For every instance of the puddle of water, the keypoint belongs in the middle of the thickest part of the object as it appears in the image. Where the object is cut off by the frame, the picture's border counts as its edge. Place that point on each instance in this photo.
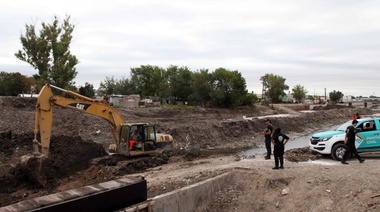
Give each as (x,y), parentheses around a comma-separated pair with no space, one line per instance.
(298,142)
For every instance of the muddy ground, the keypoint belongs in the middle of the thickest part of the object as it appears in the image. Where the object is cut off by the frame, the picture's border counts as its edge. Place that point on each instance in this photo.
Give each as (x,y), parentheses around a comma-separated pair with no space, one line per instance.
(208,142)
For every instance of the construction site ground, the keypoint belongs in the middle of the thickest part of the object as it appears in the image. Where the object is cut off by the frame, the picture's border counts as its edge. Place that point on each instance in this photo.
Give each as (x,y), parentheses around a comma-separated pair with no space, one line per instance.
(207,143)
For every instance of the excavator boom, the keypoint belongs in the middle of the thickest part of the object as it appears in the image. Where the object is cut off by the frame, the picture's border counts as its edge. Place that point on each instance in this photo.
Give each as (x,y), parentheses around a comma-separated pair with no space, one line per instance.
(44,114)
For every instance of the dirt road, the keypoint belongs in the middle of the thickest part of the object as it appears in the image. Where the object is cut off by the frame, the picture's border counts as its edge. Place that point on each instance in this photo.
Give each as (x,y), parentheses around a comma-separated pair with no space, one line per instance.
(207,142)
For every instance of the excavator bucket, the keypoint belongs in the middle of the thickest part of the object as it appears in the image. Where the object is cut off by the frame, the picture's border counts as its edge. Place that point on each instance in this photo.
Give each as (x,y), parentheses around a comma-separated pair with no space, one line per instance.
(32,166)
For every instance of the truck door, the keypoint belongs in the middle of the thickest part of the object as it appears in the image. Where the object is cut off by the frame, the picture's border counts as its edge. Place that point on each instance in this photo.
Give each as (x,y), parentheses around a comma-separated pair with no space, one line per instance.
(370,132)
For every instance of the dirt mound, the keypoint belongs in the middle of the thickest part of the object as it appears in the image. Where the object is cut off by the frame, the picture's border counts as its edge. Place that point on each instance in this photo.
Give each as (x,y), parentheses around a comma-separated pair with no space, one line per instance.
(301,154)
(68,155)
(331,106)
(71,154)
(18,102)
(73,162)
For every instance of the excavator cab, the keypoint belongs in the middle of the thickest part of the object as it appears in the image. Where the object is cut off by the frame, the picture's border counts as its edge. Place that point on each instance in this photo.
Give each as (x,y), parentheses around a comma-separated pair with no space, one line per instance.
(146,140)
(136,139)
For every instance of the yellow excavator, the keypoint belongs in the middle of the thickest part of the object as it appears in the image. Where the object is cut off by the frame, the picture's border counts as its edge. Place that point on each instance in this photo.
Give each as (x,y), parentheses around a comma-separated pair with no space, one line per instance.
(148,140)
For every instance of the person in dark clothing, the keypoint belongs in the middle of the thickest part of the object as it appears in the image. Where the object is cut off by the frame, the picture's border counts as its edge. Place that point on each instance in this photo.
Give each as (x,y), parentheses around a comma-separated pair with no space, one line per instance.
(349,140)
(267,134)
(279,140)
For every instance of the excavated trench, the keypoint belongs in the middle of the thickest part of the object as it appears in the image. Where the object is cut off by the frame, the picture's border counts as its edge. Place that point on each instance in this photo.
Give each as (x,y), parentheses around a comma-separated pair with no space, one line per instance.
(76,166)
(72,162)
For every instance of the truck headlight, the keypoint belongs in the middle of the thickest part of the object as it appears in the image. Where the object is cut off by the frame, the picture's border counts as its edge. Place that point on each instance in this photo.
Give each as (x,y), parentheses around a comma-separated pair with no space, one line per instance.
(326,139)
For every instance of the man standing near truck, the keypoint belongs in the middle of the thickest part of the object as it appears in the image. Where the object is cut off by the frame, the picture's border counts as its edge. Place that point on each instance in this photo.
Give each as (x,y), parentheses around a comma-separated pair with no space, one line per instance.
(267,135)
(279,140)
(349,140)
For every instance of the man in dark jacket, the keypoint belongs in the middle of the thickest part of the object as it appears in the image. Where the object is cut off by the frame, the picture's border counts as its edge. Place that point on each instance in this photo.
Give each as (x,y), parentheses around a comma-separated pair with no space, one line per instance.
(349,140)
(279,140)
(267,135)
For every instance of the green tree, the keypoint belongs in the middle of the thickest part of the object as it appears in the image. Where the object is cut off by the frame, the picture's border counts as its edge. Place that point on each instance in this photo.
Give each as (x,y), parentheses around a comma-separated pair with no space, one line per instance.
(12,84)
(299,92)
(125,86)
(335,96)
(158,82)
(229,88)
(107,87)
(164,86)
(202,87)
(171,76)
(275,87)
(3,80)
(148,79)
(49,53)
(249,99)
(180,82)
(87,90)
(311,98)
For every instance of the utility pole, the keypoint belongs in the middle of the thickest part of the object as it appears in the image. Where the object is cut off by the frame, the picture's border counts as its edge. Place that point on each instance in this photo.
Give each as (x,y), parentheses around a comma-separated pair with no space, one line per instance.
(264,91)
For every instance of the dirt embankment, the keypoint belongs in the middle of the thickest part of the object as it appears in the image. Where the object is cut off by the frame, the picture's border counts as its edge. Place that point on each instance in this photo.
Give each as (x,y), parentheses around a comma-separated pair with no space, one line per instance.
(78,139)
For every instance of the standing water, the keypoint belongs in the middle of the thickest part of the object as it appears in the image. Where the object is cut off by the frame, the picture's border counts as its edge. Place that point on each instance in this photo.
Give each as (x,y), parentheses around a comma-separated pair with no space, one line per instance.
(298,142)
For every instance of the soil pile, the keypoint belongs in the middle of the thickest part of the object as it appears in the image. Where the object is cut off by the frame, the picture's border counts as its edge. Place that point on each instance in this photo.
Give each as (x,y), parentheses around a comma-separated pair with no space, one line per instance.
(68,155)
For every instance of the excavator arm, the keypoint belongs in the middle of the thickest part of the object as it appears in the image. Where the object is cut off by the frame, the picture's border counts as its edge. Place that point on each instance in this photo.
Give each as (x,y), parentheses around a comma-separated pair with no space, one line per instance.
(47,100)
(44,114)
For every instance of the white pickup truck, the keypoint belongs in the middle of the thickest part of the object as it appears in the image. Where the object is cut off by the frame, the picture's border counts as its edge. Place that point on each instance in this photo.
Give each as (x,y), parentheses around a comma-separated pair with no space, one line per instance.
(331,142)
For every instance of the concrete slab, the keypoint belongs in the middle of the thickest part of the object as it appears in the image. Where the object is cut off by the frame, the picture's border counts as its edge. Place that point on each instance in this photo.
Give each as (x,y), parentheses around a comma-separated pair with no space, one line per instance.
(192,197)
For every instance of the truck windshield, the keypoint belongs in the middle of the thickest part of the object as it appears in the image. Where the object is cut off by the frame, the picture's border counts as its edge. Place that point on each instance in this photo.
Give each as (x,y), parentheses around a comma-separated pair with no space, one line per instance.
(344,126)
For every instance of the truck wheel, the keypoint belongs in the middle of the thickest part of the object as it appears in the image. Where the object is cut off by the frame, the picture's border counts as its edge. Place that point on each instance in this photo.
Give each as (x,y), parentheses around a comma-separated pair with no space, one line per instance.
(338,151)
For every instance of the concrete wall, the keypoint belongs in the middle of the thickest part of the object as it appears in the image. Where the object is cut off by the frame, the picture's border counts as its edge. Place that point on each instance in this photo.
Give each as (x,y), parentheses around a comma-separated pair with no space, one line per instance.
(187,199)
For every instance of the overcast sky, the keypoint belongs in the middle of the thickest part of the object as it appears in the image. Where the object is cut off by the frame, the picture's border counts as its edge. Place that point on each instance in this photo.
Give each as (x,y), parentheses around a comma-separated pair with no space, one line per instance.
(319,44)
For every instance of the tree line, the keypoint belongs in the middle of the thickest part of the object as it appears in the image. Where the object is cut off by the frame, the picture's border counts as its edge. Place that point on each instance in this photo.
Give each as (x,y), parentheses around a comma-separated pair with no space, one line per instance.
(48,52)
(221,88)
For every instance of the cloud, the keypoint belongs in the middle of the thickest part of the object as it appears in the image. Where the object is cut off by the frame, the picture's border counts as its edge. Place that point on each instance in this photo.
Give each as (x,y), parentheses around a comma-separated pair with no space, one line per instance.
(318,44)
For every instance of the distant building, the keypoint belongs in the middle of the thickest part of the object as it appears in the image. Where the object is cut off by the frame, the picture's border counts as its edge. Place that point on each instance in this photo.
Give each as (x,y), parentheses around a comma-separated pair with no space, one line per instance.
(130,101)
(288,98)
